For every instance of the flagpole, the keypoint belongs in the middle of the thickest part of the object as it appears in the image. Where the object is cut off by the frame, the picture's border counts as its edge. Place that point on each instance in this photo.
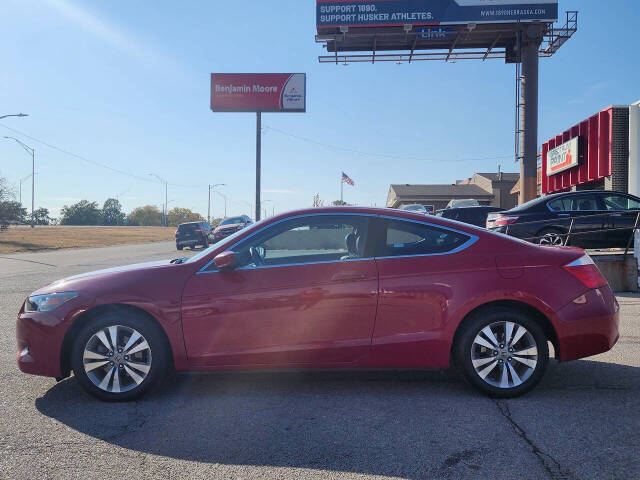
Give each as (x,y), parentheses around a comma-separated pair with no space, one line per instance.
(341,188)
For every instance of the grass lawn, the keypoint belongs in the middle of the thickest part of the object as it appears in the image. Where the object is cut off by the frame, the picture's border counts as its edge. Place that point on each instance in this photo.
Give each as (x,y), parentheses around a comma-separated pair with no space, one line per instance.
(24,238)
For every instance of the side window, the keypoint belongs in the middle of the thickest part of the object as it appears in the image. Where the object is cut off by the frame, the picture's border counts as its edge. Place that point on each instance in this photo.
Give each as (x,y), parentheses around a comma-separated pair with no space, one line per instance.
(556,205)
(581,203)
(410,238)
(317,238)
(620,202)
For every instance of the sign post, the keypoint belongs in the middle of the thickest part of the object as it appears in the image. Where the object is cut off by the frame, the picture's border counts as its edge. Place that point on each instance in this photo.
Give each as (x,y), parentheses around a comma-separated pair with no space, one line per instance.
(258,92)
(258,160)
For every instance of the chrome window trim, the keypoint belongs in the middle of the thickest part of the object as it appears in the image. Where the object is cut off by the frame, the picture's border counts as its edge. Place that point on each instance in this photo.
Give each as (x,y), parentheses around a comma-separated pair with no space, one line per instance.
(472,239)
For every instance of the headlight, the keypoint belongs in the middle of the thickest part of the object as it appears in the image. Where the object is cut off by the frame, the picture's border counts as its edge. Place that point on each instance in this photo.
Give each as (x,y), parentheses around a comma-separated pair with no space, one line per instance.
(44,303)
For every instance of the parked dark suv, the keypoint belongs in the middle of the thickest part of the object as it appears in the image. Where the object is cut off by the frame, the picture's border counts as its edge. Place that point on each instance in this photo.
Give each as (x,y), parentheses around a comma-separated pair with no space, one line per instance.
(588,219)
(473,215)
(230,225)
(193,234)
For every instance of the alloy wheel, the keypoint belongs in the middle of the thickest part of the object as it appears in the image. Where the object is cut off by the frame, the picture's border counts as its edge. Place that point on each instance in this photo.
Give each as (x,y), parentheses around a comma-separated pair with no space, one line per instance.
(554,239)
(504,354)
(117,358)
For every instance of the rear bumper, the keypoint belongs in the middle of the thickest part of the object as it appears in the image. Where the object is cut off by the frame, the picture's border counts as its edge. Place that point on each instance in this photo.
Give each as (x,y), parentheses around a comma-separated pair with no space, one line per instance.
(588,325)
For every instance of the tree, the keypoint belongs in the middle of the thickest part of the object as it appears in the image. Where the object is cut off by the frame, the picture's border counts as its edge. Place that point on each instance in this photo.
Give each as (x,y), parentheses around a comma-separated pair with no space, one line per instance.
(6,193)
(338,203)
(81,213)
(179,215)
(41,217)
(11,212)
(112,212)
(149,215)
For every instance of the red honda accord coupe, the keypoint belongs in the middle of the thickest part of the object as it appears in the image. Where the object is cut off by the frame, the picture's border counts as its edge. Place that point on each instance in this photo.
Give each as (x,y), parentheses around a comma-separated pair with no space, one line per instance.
(326,287)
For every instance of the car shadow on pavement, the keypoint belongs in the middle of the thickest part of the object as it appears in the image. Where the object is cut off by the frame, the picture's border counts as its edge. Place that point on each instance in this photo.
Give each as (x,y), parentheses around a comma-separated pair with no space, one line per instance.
(397,423)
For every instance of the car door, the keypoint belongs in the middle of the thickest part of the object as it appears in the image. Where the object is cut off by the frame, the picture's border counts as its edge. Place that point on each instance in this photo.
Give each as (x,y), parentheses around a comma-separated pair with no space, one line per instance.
(584,216)
(623,213)
(304,290)
(418,274)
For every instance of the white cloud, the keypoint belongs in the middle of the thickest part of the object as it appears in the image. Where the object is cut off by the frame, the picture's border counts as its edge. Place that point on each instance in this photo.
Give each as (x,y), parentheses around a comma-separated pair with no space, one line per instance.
(106,32)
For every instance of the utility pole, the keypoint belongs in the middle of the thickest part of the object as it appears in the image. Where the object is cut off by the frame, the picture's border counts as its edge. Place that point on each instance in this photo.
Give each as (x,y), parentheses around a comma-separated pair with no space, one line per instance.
(531,39)
(33,174)
(165,214)
(209,202)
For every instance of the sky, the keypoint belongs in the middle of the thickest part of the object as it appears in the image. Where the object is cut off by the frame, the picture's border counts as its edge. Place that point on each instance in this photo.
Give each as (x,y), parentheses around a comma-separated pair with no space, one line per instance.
(126,85)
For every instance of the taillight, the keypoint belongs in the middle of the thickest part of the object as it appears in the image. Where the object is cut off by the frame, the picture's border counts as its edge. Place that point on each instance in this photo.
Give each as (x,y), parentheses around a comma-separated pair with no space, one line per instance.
(502,220)
(587,272)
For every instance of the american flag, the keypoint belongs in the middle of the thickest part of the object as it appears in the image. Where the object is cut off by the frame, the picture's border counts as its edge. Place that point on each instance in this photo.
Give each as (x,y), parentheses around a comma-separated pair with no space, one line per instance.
(347,179)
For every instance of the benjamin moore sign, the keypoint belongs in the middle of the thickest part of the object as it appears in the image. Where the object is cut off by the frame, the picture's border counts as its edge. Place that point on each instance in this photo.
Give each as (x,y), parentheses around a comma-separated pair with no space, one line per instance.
(258,92)
(335,13)
(563,157)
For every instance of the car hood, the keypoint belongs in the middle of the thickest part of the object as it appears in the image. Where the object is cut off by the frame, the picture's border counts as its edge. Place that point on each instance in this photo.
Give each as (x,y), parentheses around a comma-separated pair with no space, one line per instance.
(228,225)
(73,281)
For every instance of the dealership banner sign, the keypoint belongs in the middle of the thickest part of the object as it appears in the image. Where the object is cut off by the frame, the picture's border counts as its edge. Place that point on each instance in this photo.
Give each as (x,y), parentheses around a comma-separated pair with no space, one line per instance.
(563,157)
(362,13)
(258,92)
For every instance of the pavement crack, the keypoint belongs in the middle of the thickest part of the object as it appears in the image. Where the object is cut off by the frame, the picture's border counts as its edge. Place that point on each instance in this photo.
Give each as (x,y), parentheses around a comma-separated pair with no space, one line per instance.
(549,463)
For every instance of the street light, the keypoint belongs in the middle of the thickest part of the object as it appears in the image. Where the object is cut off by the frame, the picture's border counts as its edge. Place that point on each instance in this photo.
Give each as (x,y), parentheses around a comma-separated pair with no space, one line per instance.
(273,208)
(209,203)
(225,202)
(22,180)
(165,213)
(14,115)
(33,172)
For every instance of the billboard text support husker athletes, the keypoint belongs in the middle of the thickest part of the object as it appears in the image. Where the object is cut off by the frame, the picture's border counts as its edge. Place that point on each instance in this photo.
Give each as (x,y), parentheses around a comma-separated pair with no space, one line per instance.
(333,13)
(258,92)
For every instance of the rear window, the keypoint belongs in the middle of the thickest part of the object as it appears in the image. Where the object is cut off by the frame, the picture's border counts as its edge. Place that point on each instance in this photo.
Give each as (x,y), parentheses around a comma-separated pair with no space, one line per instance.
(408,238)
(188,227)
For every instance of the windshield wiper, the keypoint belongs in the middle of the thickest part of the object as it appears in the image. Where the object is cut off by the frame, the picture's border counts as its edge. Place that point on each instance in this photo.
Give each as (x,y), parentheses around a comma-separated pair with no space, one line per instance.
(178,261)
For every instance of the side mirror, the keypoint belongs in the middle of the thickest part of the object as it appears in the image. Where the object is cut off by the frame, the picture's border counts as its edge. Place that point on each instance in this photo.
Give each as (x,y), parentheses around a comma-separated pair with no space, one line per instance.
(225,260)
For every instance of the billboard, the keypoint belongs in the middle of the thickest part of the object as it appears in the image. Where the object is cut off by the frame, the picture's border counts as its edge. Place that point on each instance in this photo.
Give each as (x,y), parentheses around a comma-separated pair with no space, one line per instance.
(563,157)
(389,13)
(258,92)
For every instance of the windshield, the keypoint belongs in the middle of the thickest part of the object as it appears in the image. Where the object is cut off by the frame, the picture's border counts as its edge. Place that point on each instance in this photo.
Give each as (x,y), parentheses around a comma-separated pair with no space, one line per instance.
(232,220)
(415,208)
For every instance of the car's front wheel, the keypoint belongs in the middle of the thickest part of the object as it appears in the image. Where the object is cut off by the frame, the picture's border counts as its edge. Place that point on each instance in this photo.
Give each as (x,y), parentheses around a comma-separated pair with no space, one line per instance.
(502,352)
(119,355)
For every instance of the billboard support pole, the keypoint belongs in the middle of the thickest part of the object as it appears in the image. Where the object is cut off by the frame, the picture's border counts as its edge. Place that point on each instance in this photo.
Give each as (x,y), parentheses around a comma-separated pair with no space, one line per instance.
(532,37)
(258,160)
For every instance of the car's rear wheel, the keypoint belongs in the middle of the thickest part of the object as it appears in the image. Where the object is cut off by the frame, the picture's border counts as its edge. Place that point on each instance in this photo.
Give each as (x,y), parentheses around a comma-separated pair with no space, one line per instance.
(552,237)
(119,355)
(502,352)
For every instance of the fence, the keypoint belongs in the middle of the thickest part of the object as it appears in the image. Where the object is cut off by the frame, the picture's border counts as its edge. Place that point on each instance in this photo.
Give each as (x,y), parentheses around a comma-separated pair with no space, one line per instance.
(568,225)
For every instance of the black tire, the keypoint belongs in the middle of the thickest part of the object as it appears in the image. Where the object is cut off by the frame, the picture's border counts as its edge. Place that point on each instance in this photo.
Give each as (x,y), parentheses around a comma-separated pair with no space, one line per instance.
(465,349)
(158,355)
(551,236)
(179,247)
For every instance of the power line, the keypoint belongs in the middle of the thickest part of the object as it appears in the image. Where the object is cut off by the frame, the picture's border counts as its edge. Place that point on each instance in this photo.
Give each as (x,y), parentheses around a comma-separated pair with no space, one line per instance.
(382,155)
(93,162)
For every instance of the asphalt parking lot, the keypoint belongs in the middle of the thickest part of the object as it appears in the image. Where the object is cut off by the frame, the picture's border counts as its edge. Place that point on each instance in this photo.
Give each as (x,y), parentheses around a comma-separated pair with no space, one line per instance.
(582,422)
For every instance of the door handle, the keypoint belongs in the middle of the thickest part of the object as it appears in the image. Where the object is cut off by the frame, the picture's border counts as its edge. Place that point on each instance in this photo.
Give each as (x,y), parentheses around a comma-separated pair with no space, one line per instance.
(348,277)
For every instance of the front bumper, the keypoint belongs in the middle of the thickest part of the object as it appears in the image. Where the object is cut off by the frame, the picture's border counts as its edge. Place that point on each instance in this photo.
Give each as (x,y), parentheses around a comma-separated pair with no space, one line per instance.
(40,336)
(588,325)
